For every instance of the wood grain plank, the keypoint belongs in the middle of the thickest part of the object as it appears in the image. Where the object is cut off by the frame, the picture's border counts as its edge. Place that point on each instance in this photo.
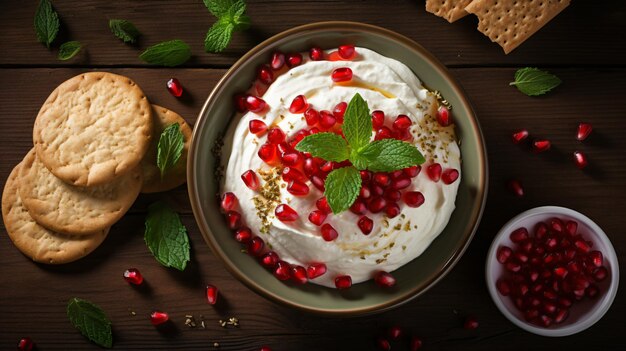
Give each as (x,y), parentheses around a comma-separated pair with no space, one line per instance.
(583,34)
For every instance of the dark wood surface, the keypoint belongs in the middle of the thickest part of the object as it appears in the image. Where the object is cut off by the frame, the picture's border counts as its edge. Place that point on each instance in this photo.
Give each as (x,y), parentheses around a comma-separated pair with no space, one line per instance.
(583,46)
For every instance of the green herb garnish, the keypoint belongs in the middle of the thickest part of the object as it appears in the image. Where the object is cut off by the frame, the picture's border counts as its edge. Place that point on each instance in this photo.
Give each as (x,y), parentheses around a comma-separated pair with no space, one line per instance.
(46,23)
(166,236)
(68,50)
(170,148)
(343,184)
(124,30)
(90,321)
(168,53)
(533,81)
(230,18)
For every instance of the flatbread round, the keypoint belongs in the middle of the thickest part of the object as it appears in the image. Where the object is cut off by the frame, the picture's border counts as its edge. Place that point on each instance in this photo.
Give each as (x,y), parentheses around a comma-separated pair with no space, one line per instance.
(70,209)
(93,128)
(35,241)
(152,182)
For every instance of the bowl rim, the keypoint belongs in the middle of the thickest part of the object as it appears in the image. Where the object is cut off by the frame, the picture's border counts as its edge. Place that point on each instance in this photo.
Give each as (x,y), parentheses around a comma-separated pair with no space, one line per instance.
(481,190)
(591,318)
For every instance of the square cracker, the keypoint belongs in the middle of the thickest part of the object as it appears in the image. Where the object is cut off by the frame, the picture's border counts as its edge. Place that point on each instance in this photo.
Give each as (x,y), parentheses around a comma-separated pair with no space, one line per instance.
(510,22)
(451,10)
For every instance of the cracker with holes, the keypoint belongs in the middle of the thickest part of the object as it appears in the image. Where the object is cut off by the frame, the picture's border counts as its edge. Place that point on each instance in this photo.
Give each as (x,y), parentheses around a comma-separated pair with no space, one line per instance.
(93,128)
(41,244)
(152,180)
(451,10)
(510,22)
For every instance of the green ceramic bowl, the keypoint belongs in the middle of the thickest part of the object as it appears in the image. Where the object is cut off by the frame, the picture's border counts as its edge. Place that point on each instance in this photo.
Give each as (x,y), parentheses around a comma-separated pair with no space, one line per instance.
(414,278)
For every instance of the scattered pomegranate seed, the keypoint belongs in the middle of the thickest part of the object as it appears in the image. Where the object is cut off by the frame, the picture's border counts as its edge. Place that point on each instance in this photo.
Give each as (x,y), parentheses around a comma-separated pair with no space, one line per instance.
(584,129)
(377,204)
(382,179)
(283,270)
(327,119)
(383,133)
(519,136)
(255,104)
(358,207)
(385,279)
(541,145)
(159,318)
(515,186)
(342,74)
(297,188)
(174,87)
(580,159)
(340,110)
(290,173)
(470,323)
(415,344)
(211,294)
(285,213)
(315,270)
(343,282)
(434,172)
(275,135)
(383,344)
(299,104)
(316,53)
(378,119)
(449,176)
(392,195)
(25,344)
(443,116)
(365,224)
(255,246)
(413,198)
(317,217)
(278,60)
(257,126)
(402,122)
(294,59)
(392,210)
(322,205)
(299,274)
(346,52)
(328,232)
(312,116)
(412,171)
(133,276)
(318,183)
(234,219)
(243,235)
(270,259)
(240,102)
(266,348)
(229,202)
(265,74)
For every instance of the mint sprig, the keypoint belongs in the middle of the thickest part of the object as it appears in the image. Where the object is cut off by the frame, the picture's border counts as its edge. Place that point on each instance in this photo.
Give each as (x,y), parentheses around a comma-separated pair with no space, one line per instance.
(533,81)
(387,155)
(124,30)
(68,50)
(166,236)
(168,53)
(230,18)
(169,148)
(46,23)
(91,321)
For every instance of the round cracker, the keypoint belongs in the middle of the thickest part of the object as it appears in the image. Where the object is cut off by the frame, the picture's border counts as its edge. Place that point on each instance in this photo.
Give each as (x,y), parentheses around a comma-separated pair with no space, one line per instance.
(152,182)
(93,128)
(74,210)
(38,243)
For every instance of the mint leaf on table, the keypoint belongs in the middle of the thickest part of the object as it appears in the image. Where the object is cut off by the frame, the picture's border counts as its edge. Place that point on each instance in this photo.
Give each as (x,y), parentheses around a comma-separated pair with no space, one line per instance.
(329,146)
(169,148)
(388,155)
(46,23)
(68,50)
(166,236)
(124,30)
(342,188)
(218,36)
(533,81)
(218,8)
(168,53)
(90,321)
(357,123)
(231,18)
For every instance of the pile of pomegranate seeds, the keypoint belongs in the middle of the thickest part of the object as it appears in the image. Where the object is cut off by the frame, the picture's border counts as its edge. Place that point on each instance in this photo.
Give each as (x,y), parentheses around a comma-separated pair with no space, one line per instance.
(549,270)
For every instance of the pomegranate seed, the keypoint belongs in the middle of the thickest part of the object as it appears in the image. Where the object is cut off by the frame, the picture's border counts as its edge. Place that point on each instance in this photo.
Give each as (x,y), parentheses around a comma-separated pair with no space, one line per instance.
(358,207)
(503,254)
(278,60)
(415,344)
(133,276)
(521,257)
(346,52)
(290,158)
(520,136)
(317,217)
(582,245)
(395,332)
(255,104)
(158,318)
(283,270)
(413,198)
(327,120)
(267,152)
(316,53)
(234,219)
(299,274)
(265,74)
(596,258)
(365,224)
(565,302)
(385,279)
(402,122)
(266,348)
(342,74)
(328,166)
(470,323)
(174,87)
(541,145)
(310,167)
(243,235)
(211,294)
(285,213)
(449,176)
(311,116)
(378,119)
(299,104)
(257,126)
(339,111)
(401,182)
(392,210)
(434,172)
(545,320)
(556,225)
(365,192)
(294,59)
(315,270)
(383,344)
(383,133)
(322,205)
(25,344)
(366,176)
(580,159)
(412,171)
(301,134)
(377,204)
(240,102)
(382,179)
(318,183)
(392,195)
(290,173)
(270,259)
(561,315)
(600,274)
(584,129)
(503,287)
(328,232)
(571,227)
(343,282)
(255,246)
(443,116)
(515,186)
(229,202)
(592,291)
(297,188)
(519,235)
(275,135)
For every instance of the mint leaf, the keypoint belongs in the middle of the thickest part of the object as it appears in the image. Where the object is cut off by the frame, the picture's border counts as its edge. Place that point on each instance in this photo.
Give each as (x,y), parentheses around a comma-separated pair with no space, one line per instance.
(241,23)
(168,53)
(342,188)
(388,155)
(166,236)
(357,123)
(90,321)
(218,36)
(329,146)
(124,30)
(218,7)
(68,50)
(46,23)
(533,81)
(170,148)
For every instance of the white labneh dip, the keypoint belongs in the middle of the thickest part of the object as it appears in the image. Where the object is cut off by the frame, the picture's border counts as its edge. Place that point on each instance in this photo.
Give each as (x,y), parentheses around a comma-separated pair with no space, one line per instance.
(385,84)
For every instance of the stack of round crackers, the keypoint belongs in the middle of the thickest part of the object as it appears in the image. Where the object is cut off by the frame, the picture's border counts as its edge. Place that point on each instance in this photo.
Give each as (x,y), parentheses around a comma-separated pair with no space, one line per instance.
(95,148)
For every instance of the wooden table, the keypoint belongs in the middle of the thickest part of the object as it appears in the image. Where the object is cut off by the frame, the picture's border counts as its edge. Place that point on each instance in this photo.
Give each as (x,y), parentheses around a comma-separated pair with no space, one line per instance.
(584,46)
